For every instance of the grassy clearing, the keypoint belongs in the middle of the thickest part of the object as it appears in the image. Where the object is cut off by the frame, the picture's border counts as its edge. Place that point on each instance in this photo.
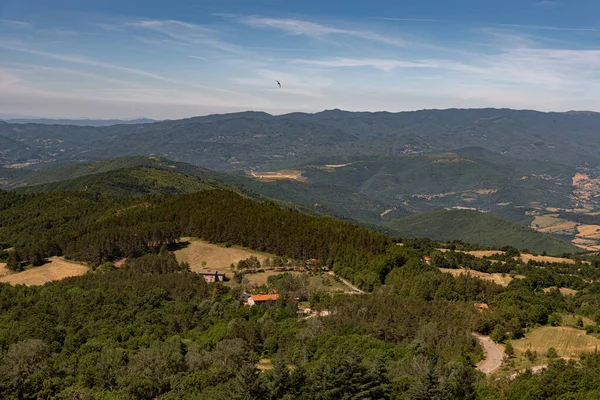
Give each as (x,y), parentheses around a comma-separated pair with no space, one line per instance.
(564,291)
(56,269)
(568,342)
(216,256)
(571,320)
(264,365)
(500,279)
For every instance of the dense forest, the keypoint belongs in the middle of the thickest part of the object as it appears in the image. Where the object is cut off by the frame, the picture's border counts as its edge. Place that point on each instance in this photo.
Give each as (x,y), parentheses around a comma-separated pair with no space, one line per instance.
(153,329)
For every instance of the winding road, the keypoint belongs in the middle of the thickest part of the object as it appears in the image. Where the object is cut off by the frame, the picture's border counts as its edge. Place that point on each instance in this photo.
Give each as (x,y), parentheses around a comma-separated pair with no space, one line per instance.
(493,355)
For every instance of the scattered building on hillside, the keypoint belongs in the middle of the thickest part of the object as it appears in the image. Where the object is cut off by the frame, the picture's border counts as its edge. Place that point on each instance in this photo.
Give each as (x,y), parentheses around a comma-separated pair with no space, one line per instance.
(255,299)
(427,259)
(211,276)
(481,306)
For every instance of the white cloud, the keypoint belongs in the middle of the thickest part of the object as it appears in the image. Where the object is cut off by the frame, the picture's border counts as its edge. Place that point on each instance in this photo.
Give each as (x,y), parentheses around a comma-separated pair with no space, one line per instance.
(382,64)
(315,30)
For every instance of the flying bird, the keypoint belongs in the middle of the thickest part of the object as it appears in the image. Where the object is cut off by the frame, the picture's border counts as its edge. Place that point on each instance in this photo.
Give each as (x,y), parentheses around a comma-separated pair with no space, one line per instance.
(278,82)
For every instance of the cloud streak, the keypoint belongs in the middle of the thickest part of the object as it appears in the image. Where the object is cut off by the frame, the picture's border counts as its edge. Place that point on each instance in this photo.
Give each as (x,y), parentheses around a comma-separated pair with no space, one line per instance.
(315,30)
(84,61)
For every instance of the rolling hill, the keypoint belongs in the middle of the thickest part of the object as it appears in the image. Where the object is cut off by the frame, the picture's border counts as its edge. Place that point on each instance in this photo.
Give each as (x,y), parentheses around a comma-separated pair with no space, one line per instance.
(479,228)
(260,140)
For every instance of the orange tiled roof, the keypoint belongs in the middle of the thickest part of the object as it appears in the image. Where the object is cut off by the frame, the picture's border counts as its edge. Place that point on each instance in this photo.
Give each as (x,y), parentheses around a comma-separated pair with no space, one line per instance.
(265,297)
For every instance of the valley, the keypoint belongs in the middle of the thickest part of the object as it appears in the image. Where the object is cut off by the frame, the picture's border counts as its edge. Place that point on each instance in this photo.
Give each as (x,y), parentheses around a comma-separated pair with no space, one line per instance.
(400,246)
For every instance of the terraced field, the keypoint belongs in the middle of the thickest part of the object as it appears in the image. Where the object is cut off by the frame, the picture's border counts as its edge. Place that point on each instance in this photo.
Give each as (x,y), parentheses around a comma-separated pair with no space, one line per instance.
(568,342)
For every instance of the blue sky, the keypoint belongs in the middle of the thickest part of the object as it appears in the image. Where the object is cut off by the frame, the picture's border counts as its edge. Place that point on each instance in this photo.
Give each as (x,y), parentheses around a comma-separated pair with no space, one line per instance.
(93,58)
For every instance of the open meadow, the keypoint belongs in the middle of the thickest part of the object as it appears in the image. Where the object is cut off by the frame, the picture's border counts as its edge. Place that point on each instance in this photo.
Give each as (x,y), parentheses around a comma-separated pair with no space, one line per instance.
(202,255)
(500,279)
(56,268)
(568,342)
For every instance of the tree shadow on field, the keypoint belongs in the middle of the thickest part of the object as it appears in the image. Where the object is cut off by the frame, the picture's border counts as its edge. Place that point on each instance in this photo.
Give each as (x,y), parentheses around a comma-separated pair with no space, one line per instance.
(178,245)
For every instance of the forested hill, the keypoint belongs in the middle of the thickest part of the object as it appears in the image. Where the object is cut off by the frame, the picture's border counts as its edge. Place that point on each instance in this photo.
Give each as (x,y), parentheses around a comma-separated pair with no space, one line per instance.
(476,227)
(359,192)
(261,140)
(83,227)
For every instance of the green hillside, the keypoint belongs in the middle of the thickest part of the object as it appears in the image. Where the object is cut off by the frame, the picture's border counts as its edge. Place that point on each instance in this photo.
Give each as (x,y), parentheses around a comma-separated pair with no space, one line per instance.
(136,181)
(479,228)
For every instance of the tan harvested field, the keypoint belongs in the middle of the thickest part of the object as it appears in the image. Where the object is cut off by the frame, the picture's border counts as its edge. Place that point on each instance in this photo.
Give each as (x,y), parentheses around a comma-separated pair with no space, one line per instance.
(496,278)
(587,244)
(477,253)
(278,175)
(589,231)
(545,221)
(527,257)
(564,291)
(216,256)
(568,342)
(56,269)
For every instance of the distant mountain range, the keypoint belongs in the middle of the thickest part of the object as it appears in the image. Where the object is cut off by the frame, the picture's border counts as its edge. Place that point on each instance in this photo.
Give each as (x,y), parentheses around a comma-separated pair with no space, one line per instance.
(79,122)
(372,167)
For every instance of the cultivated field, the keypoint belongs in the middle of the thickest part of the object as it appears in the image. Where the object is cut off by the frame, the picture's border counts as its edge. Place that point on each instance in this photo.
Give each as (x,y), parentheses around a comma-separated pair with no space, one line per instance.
(217,257)
(278,175)
(527,257)
(477,253)
(56,269)
(589,231)
(496,278)
(568,342)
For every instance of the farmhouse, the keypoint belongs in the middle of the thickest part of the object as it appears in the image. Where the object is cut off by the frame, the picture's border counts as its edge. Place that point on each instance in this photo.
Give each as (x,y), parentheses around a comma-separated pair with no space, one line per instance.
(262,299)
(211,276)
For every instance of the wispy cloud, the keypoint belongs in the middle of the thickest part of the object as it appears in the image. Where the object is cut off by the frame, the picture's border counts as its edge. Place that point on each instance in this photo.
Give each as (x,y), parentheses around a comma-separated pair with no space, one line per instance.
(550,28)
(83,61)
(70,73)
(547,3)
(182,33)
(21,24)
(407,19)
(316,30)
(382,64)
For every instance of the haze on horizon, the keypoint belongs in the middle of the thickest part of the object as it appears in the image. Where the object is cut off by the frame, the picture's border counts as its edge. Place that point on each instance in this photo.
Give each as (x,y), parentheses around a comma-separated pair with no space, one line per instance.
(115,59)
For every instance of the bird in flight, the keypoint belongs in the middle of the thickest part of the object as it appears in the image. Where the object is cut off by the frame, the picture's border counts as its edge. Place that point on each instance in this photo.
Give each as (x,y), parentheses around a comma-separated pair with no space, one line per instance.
(278,82)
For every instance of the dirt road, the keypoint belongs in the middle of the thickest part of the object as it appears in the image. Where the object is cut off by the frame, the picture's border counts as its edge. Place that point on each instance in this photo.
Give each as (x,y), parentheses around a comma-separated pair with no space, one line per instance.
(345,282)
(493,355)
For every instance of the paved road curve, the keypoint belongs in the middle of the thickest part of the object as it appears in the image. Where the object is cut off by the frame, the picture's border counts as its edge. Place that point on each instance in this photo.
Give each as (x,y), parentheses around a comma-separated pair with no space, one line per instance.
(493,355)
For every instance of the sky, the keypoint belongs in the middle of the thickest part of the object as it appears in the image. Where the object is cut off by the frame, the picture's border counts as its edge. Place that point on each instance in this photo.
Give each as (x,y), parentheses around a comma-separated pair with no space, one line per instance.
(179,58)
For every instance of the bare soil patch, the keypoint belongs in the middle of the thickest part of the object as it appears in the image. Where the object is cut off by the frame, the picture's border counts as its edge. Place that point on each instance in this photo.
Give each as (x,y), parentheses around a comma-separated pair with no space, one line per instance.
(56,269)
